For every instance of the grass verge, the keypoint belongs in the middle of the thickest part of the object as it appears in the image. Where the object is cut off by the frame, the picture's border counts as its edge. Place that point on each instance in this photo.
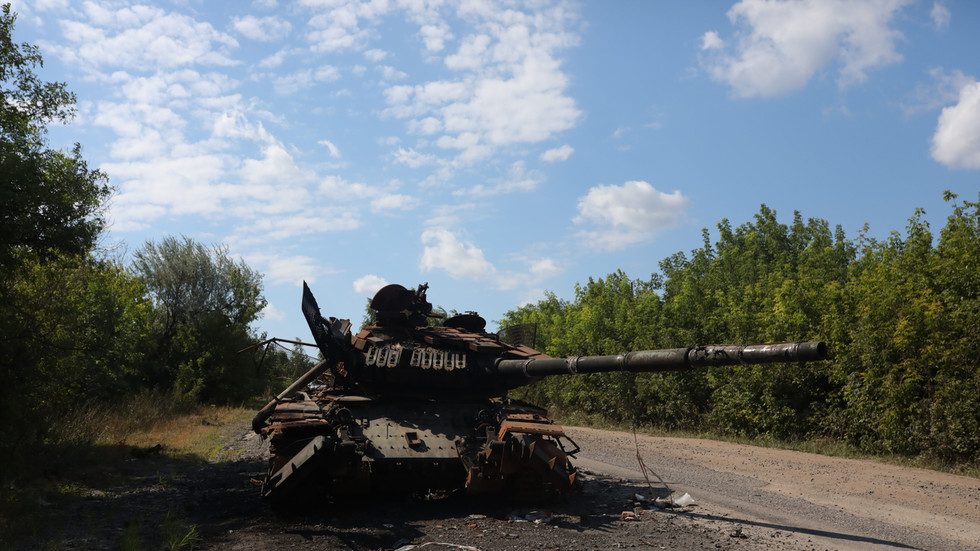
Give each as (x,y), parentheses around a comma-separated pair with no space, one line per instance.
(96,458)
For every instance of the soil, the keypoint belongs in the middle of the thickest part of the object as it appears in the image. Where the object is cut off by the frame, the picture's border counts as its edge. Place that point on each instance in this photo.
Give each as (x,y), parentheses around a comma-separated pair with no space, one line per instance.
(743,498)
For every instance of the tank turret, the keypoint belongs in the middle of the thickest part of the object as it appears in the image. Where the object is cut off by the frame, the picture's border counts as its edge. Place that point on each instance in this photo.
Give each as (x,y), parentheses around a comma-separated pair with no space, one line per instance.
(419,406)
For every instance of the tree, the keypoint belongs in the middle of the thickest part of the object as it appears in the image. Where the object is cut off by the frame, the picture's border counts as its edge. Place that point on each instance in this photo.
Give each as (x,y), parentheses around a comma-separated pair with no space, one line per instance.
(65,313)
(52,203)
(72,331)
(204,303)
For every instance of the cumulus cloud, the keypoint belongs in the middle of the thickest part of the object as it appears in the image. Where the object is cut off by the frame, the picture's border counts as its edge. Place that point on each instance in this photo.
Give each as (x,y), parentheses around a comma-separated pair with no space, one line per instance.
(337,188)
(940,15)
(412,158)
(270,312)
(274,184)
(461,260)
(518,179)
(781,45)
(277,58)
(390,73)
(956,142)
(139,37)
(711,41)
(335,26)
(143,128)
(435,36)
(543,268)
(389,202)
(265,29)
(278,269)
(628,214)
(375,54)
(301,80)
(557,154)
(154,187)
(510,89)
(369,285)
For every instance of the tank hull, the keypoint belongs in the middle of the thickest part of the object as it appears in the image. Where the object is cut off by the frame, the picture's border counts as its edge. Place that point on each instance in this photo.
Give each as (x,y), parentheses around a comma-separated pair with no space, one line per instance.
(355,445)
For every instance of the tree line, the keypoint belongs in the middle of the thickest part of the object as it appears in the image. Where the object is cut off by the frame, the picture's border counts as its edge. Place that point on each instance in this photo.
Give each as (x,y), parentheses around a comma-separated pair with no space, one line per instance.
(901,316)
(80,324)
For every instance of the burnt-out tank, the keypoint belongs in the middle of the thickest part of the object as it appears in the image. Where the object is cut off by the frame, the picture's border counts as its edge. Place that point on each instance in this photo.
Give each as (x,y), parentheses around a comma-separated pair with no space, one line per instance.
(407,406)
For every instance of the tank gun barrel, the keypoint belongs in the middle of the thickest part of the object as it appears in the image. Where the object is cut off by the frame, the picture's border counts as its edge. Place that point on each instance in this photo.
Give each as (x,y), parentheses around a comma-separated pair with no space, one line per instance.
(669,359)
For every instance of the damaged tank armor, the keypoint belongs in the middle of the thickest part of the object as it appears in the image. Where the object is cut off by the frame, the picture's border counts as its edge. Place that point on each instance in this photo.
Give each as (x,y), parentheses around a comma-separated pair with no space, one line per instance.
(413,407)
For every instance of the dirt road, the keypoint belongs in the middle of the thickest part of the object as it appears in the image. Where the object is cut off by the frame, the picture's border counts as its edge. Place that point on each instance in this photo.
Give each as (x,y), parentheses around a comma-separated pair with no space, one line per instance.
(810,501)
(745,498)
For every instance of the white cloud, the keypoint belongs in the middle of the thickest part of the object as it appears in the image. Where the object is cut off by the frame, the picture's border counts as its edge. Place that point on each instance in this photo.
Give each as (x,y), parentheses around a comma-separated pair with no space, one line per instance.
(544,268)
(127,215)
(426,126)
(335,26)
(280,269)
(158,88)
(234,123)
(375,54)
(270,312)
(473,53)
(263,229)
(444,251)
(301,80)
(518,179)
(140,37)
(265,29)
(628,214)
(326,73)
(944,91)
(338,189)
(369,285)
(435,36)
(510,88)
(530,107)
(277,58)
(940,15)
(711,41)
(143,129)
(334,152)
(390,73)
(39,5)
(557,154)
(151,188)
(272,185)
(956,142)
(781,45)
(393,201)
(412,158)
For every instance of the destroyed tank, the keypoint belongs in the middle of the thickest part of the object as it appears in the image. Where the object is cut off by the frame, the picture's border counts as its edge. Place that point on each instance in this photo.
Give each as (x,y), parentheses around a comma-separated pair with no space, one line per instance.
(403,405)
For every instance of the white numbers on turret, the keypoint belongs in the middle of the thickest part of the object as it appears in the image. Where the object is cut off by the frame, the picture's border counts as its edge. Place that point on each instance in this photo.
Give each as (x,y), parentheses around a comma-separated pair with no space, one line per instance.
(390,355)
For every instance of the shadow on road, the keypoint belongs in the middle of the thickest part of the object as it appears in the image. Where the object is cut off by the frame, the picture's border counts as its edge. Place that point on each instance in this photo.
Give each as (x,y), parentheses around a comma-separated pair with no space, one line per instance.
(793,529)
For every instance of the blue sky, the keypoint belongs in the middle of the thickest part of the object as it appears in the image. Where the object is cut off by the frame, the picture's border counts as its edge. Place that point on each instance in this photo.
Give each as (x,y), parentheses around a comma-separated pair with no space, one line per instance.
(500,149)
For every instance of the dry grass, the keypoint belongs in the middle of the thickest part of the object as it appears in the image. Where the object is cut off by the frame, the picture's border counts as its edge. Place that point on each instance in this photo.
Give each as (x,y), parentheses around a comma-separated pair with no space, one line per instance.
(194,432)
